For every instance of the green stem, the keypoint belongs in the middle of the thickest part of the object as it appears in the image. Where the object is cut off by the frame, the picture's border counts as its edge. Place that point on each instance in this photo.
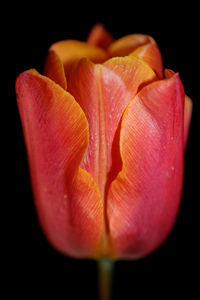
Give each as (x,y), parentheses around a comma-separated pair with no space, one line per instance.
(105,272)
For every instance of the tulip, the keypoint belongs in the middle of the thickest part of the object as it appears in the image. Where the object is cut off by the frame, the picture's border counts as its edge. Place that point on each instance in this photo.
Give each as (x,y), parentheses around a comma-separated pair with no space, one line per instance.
(105,132)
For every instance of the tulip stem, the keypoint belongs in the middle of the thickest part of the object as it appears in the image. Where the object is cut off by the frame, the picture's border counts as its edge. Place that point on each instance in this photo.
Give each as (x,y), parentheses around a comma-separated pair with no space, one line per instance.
(105,274)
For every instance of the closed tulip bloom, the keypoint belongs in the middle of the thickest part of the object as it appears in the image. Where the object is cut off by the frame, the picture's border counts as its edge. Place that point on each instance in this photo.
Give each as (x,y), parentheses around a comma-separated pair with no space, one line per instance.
(105,130)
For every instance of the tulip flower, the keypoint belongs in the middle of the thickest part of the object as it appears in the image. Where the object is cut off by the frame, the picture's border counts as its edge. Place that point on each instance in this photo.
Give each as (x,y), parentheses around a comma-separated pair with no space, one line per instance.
(105,130)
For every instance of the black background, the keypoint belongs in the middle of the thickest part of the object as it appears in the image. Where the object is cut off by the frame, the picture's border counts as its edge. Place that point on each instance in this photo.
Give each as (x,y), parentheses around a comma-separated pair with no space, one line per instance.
(33,268)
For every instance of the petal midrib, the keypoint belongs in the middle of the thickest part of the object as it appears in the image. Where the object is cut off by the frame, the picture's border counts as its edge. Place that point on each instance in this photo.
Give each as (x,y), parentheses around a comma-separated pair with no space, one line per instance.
(102,158)
(102,147)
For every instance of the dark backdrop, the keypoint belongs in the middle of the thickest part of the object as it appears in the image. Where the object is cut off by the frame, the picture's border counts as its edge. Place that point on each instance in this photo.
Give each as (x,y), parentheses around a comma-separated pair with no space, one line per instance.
(33,268)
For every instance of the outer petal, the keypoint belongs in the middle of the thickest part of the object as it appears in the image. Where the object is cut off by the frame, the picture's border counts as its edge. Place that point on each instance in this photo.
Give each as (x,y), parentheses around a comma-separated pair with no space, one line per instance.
(100,37)
(71,51)
(54,69)
(127,44)
(143,200)
(103,92)
(56,134)
(187,109)
(150,53)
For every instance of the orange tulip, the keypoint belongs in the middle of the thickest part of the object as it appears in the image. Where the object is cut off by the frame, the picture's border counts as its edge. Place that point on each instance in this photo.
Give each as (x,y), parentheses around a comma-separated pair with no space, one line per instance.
(105,134)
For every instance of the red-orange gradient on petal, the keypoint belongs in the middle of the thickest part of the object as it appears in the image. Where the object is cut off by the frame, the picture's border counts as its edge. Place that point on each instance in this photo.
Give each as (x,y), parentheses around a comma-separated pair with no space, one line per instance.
(143,200)
(56,133)
(103,92)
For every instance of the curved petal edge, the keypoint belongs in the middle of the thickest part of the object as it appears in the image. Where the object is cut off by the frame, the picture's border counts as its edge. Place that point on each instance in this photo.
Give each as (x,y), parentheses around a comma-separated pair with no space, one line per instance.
(143,200)
(56,134)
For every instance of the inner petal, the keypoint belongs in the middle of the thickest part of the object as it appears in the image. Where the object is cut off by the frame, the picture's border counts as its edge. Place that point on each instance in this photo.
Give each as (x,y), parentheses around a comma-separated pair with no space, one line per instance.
(71,51)
(150,53)
(100,37)
(127,44)
(103,92)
